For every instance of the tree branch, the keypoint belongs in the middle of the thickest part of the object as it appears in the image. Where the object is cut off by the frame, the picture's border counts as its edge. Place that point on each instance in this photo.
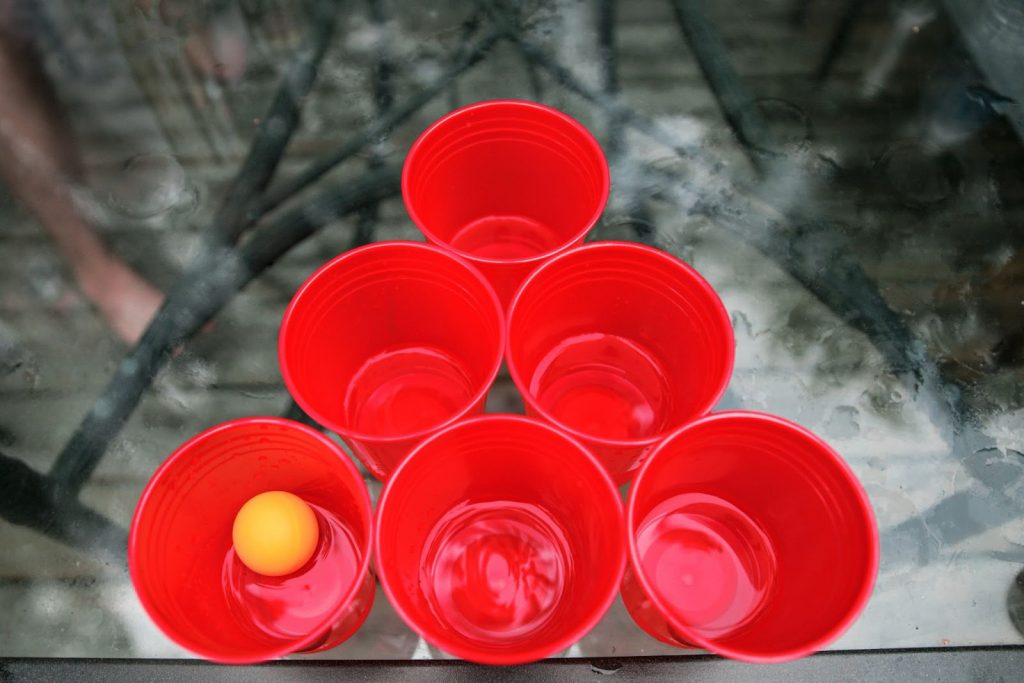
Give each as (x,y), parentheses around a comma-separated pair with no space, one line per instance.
(383,98)
(237,211)
(381,127)
(205,287)
(735,101)
(610,71)
(30,499)
(609,103)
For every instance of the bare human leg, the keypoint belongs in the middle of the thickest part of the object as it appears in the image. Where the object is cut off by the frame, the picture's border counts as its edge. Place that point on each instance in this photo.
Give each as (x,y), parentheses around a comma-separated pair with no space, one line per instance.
(38,162)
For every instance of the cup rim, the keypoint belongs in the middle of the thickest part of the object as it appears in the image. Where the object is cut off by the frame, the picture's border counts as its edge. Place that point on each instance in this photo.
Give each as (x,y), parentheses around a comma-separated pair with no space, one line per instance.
(376,439)
(538,651)
(689,271)
(578,127)
(299,644)
(867,515)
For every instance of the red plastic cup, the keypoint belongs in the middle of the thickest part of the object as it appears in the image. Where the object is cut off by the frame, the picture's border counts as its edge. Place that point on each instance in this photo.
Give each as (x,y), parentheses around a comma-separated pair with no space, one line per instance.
(185,570)
(388,343)
(505,184)
(618,344)
(500,540)
(750,537)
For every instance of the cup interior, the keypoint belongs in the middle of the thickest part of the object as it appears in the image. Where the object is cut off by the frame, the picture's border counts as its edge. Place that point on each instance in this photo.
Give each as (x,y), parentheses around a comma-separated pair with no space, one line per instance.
(752,537)
(619,341)
(498,540)
(391,340)
(505,180)
(180,549)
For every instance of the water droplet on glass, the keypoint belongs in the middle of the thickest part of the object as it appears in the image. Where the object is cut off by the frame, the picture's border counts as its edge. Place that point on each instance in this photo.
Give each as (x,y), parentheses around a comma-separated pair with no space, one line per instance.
(150,184)
(920,175)
(786,126)
(604,666)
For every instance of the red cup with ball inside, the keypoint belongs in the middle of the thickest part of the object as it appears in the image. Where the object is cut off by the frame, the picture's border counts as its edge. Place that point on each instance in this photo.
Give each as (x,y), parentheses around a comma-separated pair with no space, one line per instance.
(750,537)
(252,541)
(505,184)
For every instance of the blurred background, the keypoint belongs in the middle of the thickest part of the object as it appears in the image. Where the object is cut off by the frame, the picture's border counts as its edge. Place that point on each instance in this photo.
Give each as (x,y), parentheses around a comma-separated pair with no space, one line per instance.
(846,173)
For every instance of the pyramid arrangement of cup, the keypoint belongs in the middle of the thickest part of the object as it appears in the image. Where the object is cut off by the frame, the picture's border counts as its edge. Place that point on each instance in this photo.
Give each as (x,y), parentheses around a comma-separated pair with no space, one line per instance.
(503,538)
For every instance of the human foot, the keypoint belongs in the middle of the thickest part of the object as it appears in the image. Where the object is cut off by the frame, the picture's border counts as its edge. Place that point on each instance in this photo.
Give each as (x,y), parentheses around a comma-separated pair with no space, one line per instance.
(125,299)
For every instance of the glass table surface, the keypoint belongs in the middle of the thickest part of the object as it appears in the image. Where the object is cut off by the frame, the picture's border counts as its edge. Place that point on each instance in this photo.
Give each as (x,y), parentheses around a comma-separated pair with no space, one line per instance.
(846,174)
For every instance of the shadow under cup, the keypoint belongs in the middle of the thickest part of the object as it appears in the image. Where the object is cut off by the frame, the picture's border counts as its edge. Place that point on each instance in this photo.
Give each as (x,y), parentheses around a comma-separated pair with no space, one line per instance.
(505,184)
(618,344)
(500,540)
(750,537)
(185,570)
(387,343)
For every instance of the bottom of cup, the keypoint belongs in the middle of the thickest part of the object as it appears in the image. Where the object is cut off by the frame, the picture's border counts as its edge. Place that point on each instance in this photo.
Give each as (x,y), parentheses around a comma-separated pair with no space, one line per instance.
(710,563)
(496,570)
(645,615)
(406,390)
(350,620)
(603,385)
(505,237)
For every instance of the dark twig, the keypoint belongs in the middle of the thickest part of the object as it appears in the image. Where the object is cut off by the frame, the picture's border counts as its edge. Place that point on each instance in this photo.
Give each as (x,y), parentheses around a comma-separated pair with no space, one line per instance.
(839,38)
(509,17)
(31,499)
(382,126)
(536,85)
(272,240)
(606,40)
(610,72)
(295,412)
(798,15)
(612,106)
(383,98)
(735,101)
(383,68)
(206,286)
(467,31)
(638,212)
(236,212)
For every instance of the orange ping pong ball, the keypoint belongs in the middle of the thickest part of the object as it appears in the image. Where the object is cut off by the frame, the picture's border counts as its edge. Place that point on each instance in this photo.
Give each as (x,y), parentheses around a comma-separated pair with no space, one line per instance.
(275,533)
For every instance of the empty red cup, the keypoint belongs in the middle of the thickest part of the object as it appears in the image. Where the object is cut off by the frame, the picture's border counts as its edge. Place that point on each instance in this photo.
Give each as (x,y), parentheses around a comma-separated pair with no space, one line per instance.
(389,342)
(618,344)
(506,184)
(185,570)
(750,537)
(500,540)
